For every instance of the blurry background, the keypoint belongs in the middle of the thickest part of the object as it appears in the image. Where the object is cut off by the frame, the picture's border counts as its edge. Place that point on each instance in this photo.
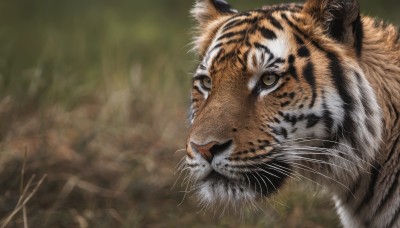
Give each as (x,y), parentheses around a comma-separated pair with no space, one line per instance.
(95,93)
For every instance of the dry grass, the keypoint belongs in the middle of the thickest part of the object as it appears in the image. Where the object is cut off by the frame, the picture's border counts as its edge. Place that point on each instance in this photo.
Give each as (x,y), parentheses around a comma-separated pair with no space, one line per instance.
(25,196)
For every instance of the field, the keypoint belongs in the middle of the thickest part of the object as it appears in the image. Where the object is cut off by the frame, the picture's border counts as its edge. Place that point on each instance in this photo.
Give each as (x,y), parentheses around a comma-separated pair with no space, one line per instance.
(93,99)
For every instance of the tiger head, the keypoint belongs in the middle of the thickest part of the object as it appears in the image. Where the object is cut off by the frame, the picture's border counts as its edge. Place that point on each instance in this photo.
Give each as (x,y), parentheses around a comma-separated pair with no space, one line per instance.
(278,93)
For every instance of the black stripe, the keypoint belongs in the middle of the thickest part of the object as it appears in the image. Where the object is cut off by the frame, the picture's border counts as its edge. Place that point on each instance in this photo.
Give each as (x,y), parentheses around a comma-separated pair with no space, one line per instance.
(284,132)
(271,56)
(290,119)
(292,69)
(214,61)
(235,41)
(218,45)
(232,23)
(236,22)
(296,18)
(368,110)
(393,150)
(312,120)
(228,55)
(327,116)
(299,41)
(371,187)
(267,33)
(214,48)
(394,185)
(308,74)
(281,131)
(366,106)
(195,88)
(348,125)
(275,62)
(359,35)
(274,22)
(262,47)
(222,6)
(232,34)
(266,142)
(284,104)
(390,195)
(198,77)
(303,52)
(244,60)
(313,42)
(291,59)
(364,101)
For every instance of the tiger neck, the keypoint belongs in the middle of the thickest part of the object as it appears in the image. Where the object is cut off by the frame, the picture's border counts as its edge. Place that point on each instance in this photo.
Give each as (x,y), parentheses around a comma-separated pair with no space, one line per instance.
(380,62)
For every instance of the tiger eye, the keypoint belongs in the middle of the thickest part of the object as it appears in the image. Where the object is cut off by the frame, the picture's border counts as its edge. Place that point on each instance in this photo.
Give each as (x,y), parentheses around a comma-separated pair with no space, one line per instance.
(206,83)
(269,80)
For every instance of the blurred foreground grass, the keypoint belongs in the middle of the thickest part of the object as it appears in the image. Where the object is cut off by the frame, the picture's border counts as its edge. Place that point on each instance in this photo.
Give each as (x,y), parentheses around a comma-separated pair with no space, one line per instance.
(96,93)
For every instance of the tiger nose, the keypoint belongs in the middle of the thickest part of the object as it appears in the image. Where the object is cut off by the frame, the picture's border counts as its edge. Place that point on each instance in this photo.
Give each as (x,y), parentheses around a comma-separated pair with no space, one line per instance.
(209,150)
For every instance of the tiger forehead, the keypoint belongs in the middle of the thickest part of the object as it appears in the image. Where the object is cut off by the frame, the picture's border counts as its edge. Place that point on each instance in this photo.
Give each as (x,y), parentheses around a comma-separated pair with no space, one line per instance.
(252,41)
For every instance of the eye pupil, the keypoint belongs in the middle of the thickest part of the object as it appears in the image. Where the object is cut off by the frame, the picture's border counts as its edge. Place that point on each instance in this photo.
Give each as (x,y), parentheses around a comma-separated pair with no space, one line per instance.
(270,80)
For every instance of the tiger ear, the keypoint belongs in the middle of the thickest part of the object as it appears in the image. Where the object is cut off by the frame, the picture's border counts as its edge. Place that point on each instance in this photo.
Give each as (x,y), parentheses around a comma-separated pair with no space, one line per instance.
(340,19)
(206,11)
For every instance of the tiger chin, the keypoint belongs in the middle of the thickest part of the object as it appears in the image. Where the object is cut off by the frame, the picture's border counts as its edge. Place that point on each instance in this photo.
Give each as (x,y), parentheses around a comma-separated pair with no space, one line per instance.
(308,91)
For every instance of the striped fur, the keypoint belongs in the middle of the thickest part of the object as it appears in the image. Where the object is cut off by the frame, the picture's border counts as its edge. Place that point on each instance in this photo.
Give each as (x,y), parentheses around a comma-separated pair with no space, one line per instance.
(331,116)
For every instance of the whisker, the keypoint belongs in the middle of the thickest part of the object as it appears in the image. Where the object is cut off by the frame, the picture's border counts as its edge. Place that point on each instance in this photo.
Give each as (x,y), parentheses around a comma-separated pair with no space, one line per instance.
(305,168)
(309,139)
(181,164)
(180,174)
(330,153)
(265,184)
(283,172)
(318,162)
(255,188)
(223,211)
(302,176)
(179,150)
(191,189)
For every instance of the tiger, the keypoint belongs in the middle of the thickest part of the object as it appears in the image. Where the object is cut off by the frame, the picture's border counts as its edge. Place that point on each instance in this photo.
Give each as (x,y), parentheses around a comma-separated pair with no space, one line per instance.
(296,90)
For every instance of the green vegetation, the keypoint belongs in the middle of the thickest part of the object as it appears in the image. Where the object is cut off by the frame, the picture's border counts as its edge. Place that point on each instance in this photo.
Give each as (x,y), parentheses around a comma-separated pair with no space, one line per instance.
(95,93)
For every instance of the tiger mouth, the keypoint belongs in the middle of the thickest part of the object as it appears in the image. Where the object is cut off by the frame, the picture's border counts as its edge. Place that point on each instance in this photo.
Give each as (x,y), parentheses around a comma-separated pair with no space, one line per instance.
(253,181)
(215,176)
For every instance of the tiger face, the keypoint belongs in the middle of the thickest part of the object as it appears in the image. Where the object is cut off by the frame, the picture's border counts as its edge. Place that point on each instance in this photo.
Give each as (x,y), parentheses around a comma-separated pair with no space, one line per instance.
(278,93)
